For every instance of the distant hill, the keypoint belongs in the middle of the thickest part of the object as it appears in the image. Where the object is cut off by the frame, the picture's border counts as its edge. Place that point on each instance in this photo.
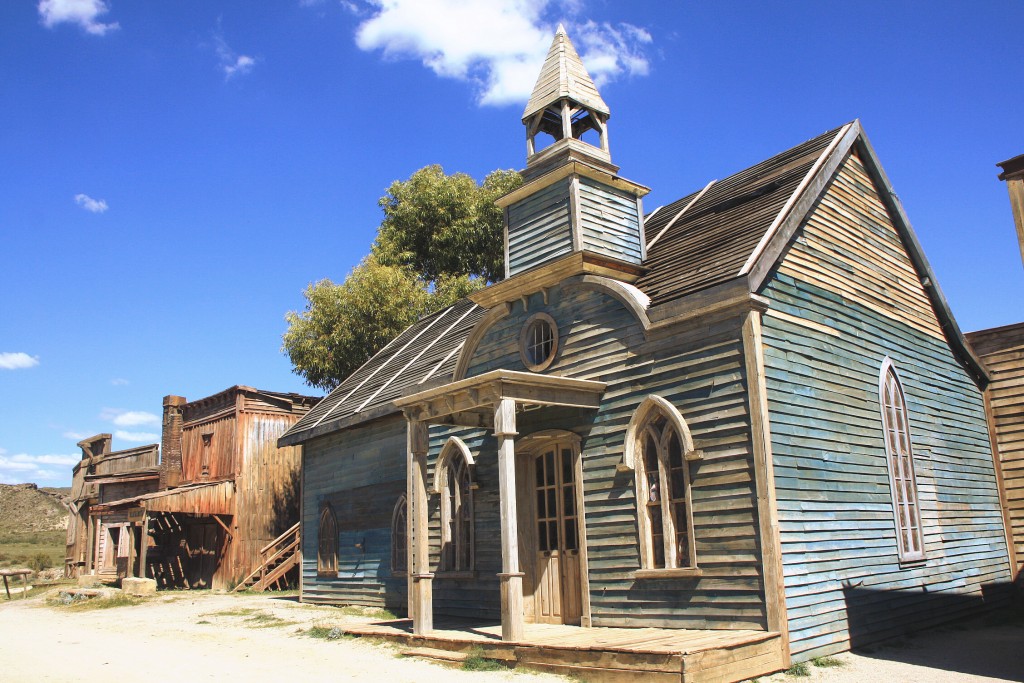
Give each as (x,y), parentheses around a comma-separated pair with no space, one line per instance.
(26,508)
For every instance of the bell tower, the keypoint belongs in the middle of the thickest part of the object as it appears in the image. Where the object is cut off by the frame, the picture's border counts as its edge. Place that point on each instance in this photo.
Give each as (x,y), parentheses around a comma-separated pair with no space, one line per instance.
(573,201)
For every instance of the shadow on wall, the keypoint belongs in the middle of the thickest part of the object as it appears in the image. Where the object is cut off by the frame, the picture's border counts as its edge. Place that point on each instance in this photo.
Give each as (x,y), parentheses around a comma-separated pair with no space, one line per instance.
(895,616)
(286,506)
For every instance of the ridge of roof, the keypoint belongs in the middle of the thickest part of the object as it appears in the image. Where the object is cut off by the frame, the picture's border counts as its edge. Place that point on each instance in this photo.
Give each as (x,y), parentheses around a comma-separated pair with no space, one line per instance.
(563,75)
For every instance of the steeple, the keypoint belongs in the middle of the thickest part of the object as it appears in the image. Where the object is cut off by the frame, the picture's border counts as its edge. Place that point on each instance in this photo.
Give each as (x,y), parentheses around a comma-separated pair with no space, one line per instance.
(565,104)
(573,207)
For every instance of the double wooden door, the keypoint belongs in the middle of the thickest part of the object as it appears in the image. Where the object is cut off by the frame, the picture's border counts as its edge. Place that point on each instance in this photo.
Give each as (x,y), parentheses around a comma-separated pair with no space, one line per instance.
(557,587)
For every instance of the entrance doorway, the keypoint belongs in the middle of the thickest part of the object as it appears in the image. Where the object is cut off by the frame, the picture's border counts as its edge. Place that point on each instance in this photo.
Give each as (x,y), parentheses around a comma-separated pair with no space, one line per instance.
(556,565)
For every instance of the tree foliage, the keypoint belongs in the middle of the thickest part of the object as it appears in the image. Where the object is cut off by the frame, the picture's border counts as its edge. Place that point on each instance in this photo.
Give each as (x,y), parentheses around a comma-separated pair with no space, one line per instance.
(445,225)
(440,239)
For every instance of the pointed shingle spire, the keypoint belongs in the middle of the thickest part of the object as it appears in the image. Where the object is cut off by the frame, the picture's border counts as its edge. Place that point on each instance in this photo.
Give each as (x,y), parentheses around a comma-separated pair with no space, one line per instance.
(564,76)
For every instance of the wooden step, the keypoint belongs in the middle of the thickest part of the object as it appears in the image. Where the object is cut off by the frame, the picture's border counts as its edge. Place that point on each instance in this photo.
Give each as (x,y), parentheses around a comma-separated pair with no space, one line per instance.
(434,653)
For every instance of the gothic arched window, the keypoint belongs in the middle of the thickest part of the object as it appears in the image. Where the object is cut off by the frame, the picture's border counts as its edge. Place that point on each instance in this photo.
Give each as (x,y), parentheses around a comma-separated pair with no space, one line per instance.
(900,460)
(327,550)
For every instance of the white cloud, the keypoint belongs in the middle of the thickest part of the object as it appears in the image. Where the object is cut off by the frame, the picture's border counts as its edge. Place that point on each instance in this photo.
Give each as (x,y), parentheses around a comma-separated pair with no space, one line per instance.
(17,361)
(232,63)
(81,12)
(90,204)
(24,468)
(77,436)
(499,45)
(129,418)
(136,436)
(120,382)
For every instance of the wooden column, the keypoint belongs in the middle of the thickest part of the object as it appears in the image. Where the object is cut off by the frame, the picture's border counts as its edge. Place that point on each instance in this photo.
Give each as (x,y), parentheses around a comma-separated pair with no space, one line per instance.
(144,542)
(511,577)
(90,547)
(764,473)
(1016,189)
(422,602)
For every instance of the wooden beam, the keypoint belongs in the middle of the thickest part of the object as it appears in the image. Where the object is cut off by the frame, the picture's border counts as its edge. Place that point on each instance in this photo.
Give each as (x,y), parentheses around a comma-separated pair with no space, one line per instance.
(1015,186)
(997,466)
(764,473)
(422,579)
(223,526)
(511,577)
(144,541)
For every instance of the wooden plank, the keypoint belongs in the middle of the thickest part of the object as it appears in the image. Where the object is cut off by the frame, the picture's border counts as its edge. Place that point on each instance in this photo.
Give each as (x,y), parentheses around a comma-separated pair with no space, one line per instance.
(767,511)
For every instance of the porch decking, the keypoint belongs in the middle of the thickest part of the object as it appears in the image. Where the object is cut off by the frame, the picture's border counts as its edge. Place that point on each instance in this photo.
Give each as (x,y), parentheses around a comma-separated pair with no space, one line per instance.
(604,654)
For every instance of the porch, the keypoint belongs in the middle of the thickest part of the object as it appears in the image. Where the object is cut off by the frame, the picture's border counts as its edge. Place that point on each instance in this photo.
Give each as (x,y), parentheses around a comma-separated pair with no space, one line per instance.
(606,655)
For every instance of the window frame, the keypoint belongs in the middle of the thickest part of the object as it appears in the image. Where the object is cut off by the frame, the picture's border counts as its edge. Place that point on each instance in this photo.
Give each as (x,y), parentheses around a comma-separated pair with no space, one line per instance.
(327,542)
(641,429)
(400,541)
(900,437)
(455,464)
(525,342)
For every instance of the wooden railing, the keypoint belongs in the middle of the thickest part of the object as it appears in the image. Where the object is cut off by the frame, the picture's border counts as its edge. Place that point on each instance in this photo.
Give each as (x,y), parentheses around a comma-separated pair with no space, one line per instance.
(276,559)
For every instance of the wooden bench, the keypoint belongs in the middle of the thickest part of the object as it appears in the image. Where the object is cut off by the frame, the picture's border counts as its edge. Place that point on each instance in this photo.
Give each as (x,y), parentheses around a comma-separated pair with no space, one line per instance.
(23,573)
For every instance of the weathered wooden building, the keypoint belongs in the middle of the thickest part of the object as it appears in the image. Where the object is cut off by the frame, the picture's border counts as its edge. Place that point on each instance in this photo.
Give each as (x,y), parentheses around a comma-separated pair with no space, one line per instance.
(1002,349)
(223,490)
(102,540)
(745,422)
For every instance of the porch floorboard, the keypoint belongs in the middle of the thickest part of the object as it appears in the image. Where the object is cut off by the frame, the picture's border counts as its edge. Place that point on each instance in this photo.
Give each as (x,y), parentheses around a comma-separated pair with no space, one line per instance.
(601,653)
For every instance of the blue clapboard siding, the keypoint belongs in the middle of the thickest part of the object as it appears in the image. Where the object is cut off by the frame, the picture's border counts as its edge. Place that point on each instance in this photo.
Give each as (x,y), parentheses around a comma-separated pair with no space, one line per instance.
(361,472)
(699,369)
(539,228)
(848,297)
(609,221)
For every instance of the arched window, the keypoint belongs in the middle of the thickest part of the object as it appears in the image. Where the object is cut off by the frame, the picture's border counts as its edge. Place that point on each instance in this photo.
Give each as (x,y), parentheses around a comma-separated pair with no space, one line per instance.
(453,480)
(327,551)
(900,459)
(659,448)
(399,537)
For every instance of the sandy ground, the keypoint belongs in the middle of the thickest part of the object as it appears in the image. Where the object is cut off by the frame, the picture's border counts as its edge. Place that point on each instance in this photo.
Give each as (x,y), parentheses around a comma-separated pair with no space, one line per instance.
(204,636)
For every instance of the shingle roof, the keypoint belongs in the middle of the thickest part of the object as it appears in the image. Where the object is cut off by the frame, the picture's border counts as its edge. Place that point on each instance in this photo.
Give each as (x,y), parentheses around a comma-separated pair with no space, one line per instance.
(427,350)
(711,241)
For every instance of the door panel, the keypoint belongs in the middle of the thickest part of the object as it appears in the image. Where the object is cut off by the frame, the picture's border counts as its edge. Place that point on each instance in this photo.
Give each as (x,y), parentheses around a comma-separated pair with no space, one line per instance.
(557,590)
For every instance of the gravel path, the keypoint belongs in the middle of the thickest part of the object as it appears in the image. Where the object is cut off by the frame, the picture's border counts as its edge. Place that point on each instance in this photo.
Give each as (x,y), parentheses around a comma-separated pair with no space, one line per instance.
(204,636)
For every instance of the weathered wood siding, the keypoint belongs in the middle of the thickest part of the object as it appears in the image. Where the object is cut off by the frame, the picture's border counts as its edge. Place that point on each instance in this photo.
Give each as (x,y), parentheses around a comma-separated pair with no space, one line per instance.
(1002,349)
(700,370)
(200,462)
(266,489)
(609,221)
(843,298)
(361,473)
(539,228)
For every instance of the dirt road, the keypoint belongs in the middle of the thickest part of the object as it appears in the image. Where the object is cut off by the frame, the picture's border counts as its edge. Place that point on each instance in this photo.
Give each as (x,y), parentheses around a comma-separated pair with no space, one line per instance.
(254,638)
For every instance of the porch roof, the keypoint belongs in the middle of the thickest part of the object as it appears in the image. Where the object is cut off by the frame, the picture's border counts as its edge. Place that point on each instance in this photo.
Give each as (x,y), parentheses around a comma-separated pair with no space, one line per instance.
(206,498)
(470,402)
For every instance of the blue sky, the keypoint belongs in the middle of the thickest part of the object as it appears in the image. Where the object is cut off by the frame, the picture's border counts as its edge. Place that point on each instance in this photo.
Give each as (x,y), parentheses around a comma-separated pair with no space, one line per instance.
(175,173)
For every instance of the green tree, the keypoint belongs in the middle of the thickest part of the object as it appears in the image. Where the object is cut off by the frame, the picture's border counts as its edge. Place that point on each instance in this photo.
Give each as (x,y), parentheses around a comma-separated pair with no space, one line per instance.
(344,324)
(445,225)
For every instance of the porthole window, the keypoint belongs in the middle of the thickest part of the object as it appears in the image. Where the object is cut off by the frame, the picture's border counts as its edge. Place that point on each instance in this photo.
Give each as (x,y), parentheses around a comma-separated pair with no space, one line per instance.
(538,342)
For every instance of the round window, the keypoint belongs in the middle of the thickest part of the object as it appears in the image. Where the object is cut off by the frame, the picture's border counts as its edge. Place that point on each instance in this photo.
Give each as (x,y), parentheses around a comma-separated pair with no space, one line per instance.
(538,342)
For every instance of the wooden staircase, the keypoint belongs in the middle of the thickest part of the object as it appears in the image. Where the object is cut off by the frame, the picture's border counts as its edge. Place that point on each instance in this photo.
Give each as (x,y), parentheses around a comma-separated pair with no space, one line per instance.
(277,558)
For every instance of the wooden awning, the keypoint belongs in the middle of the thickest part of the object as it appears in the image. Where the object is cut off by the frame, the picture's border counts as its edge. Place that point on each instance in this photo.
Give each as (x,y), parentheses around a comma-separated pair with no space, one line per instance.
(207,498)
(470,402)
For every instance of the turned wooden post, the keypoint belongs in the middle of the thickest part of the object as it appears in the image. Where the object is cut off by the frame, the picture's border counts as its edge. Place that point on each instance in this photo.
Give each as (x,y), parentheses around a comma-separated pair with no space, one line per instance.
(511,577)
(422,578)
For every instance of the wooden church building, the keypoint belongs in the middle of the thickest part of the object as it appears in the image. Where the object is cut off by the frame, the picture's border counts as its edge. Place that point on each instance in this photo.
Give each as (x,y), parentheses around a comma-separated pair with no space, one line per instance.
(743,426)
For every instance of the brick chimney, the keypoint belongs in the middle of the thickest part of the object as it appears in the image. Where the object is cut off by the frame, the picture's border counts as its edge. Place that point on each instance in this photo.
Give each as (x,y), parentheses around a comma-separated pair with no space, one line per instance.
(170,442)
(1013,174)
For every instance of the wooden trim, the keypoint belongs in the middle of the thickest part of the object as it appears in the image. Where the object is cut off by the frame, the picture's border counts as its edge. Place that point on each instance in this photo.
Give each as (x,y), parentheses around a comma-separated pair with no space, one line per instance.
(454,445)
(473,340)
(511,578)
(223,526)
(675,573)
(764,474)
(1015,186)
(628,295)
(575,219)
(803,322)
(549,274)
(778,236)
(586,618)
(643,230)
(574,167)
(679,215)
(1004,505)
